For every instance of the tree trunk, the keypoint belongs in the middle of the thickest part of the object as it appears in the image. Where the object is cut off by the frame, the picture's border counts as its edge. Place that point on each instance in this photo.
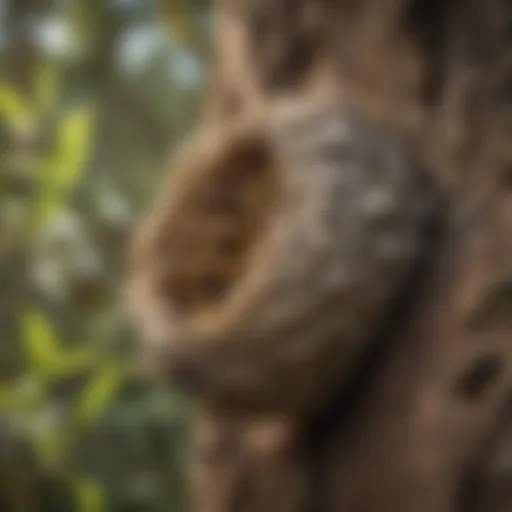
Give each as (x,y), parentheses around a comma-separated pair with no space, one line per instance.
(427,427)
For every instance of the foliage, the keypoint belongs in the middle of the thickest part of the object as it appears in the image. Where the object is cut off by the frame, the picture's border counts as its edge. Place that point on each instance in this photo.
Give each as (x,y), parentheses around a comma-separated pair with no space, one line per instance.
(84,129)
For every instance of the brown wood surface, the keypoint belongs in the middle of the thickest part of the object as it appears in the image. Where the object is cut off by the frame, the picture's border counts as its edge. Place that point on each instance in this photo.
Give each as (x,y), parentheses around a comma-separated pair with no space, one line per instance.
(427,426)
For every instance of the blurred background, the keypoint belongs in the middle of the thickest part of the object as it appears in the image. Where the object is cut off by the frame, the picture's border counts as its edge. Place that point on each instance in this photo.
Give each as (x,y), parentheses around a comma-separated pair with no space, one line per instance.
(93,95)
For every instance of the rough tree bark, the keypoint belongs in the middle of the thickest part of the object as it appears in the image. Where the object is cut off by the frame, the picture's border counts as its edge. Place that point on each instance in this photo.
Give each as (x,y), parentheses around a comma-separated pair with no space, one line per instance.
(427,427)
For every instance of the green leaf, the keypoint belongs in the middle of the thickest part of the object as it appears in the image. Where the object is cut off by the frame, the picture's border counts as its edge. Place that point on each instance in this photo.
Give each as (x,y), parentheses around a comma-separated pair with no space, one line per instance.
(46,357)
(99,392)
(89,495)
(14,107)
(40,343)
(62,170)
(72,146)
(46,87)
